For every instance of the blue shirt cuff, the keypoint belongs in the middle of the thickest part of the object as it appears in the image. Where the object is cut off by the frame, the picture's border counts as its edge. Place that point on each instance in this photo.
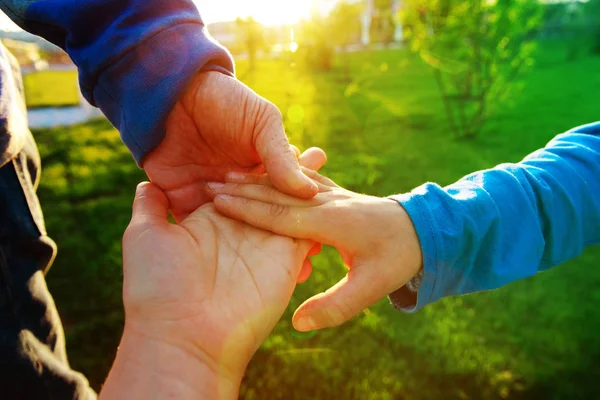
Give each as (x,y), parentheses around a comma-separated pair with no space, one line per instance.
(590,129)
(431,249)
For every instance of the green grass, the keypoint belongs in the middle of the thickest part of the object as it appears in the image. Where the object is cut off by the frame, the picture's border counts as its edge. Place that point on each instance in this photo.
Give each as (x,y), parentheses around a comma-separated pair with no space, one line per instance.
(383,128)
(51,89)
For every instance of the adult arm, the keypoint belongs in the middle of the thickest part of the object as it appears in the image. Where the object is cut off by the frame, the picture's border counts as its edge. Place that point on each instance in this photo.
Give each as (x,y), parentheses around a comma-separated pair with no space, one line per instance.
(134,57)
(152,68)
(498,226)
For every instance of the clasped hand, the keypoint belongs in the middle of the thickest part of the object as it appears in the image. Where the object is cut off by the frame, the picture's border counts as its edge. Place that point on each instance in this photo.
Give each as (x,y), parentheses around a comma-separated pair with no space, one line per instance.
(202,295)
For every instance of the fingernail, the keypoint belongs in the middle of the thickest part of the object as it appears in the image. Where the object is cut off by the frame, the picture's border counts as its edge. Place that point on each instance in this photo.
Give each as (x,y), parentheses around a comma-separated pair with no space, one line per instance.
(305,182)
(236,176)
(140,188)
(312,186)
(225,197)
(215,185)
(306,324)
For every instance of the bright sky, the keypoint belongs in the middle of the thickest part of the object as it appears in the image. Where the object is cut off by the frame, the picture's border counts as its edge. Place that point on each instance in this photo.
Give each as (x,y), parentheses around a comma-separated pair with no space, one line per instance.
(269,12)
(6,24)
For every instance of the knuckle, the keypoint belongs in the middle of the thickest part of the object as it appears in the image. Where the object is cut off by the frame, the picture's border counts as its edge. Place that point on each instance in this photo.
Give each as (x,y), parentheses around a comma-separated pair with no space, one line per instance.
(272,112)
(268,115)
(254,179)
(277,210)
(270,192)
(339,312)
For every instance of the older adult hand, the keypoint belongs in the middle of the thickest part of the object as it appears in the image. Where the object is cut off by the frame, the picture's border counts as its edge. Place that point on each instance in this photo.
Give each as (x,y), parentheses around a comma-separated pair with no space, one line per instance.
(200,298)
(220,125)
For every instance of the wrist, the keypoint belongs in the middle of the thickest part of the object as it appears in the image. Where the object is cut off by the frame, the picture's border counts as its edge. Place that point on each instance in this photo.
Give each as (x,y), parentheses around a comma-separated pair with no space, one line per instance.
(147,367)
(401,243)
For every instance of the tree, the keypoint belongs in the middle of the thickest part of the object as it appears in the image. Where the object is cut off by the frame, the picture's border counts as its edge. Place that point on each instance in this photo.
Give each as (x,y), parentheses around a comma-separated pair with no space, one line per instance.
(593,9)
(477,50)
(316,46)
(321,34)
(344,23)
(251,34)
(384,24)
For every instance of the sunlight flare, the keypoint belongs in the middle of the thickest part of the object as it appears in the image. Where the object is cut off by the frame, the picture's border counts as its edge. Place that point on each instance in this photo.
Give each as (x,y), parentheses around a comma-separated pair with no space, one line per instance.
(268,12)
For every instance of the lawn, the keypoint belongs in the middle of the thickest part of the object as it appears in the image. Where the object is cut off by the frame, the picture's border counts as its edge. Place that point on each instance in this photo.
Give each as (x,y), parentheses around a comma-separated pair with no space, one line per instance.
(51,89)
(381,122)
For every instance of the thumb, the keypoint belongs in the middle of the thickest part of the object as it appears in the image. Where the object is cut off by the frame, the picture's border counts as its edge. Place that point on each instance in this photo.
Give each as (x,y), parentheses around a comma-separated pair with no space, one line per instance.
(279,158)
(150,205)
(361,288)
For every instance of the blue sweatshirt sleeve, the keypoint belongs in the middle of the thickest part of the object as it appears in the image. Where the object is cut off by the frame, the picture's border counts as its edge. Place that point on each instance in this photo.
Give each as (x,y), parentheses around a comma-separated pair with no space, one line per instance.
(495,227)
(135,57)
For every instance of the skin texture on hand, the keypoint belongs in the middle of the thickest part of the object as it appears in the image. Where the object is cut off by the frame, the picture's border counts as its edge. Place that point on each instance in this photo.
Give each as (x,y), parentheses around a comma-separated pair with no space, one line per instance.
(375,237)
(200,298)
(220,125)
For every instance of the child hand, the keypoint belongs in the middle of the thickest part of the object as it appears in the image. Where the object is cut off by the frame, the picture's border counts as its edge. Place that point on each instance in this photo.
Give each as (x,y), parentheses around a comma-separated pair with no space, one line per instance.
(375,237)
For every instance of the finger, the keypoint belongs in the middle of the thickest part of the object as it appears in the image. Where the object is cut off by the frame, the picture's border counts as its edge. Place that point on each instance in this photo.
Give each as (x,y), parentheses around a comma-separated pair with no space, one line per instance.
(290,221)
(296,151)
(313,158)
(259,170)
(250,178)
(315,250)
(315,176)
(361,288)
(150,205)
(305,272)
(264,180)
(267,194)
(281,162)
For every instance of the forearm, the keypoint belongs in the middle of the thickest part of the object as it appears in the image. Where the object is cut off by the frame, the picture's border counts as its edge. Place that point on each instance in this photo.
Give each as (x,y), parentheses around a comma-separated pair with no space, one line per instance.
(505,224)
(135,57)
(146,368)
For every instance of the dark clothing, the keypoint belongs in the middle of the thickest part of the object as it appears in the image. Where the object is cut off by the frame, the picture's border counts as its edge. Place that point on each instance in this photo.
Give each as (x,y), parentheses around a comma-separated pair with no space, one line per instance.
(33,360)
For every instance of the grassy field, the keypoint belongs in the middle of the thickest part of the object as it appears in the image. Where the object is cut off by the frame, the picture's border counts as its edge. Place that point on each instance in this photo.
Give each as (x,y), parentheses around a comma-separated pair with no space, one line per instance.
(51,89)
(381,123)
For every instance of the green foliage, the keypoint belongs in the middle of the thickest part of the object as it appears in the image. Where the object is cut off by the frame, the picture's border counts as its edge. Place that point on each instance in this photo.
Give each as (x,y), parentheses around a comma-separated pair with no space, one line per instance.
(593,9)
(51,89)
(343,23)
(320,35)
(384,133)
(251,34)
(382,29)
(477,50)
(317,49)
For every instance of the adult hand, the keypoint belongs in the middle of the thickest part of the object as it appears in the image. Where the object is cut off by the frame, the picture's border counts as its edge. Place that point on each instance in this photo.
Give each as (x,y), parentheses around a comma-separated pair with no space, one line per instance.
(220,125)
(375,237)
(200,298)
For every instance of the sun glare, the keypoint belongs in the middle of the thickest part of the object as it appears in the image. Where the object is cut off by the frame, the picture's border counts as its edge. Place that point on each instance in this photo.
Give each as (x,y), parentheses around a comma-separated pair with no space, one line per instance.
(6,24)
(268,12)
